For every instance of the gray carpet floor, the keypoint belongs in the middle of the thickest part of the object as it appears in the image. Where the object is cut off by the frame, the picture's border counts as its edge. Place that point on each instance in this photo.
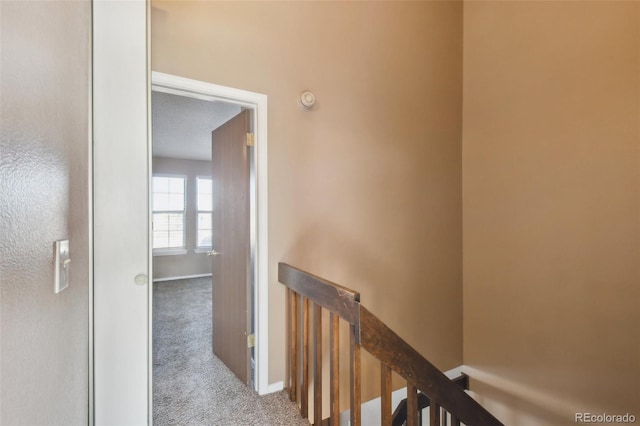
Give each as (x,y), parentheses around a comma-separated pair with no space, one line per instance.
(191,386)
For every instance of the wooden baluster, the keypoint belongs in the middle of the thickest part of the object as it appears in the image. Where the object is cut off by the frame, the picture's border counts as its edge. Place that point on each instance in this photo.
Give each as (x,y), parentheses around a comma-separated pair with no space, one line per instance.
(334,346)
(412,405)
(288,340)
(292,337)
(293,394)
(354,361)
(366,331)
(304,390)
(317,365)
(385,395)
(434,414)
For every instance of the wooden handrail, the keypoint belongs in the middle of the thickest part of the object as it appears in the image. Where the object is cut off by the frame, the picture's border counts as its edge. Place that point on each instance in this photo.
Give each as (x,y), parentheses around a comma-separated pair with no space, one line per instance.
(335,298)
(366,331)
(383,343)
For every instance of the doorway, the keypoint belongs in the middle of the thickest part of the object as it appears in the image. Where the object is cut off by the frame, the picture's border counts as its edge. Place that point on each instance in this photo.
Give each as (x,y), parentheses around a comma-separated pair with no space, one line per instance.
(183,243)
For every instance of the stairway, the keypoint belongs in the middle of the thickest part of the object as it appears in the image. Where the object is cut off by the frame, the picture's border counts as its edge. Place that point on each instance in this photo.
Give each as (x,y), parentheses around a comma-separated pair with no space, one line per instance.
(399,416)
(308,296)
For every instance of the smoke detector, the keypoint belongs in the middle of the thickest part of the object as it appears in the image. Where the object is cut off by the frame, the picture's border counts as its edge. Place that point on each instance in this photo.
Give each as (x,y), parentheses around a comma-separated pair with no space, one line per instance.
(307,100)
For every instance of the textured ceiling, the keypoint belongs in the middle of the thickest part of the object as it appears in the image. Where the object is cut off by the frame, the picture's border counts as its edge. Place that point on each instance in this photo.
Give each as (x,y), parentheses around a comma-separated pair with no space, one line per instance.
(182,126)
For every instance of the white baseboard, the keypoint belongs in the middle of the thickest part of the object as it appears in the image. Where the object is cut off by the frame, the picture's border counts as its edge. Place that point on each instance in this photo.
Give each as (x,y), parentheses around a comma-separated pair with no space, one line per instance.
(275,387)
(183,277)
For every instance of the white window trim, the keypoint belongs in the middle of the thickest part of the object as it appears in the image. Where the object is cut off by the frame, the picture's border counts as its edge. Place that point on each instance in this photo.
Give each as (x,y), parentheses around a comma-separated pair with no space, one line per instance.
(169,251)
(202,249)
(170,175)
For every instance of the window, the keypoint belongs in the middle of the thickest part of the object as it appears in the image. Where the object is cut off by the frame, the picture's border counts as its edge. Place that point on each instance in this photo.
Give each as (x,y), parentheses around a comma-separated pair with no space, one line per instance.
(205,207)
(168,212)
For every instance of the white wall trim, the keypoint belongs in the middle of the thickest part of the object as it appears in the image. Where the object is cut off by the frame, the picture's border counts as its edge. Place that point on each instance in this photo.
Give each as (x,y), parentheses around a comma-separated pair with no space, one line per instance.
(276,387)
(561,405)
(182,277)
(181,86)
(91,366)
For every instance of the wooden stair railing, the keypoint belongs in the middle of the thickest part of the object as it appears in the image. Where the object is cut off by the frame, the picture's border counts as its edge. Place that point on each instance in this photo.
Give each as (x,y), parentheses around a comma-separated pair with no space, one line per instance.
(307,295)
(303,290)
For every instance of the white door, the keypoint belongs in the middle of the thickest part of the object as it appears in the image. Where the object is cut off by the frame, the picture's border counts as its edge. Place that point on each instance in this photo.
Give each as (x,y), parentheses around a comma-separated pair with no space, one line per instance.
(121,213)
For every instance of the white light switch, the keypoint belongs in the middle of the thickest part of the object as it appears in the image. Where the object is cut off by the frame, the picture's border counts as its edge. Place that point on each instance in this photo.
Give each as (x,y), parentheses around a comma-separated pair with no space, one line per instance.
(63,264)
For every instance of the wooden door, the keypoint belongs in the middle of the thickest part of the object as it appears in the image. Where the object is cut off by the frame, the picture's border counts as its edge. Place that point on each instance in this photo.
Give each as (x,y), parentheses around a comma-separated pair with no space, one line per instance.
(231,244)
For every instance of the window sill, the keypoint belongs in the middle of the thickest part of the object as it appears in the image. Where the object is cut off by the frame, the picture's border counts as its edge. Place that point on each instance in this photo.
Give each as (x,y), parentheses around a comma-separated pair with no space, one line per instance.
(202,249)
(169,252)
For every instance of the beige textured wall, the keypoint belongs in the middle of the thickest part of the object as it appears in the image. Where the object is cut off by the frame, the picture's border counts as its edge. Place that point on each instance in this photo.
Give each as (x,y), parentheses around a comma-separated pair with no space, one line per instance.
(366,189)
(551,219)
(44,196)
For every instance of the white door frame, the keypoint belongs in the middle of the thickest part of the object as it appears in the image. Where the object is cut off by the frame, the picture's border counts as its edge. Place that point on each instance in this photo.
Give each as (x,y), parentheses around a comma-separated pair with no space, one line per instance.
(181,86)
